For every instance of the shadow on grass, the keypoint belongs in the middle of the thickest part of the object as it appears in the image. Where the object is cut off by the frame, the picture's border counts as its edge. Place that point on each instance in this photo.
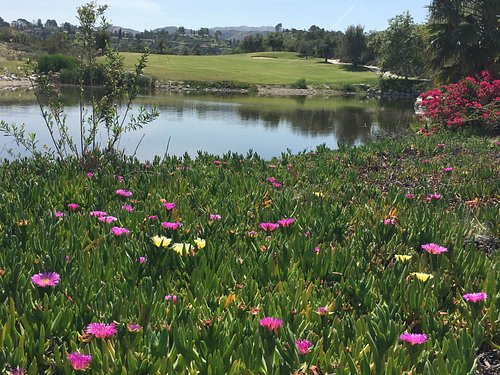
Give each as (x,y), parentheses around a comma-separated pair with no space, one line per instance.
(352,68)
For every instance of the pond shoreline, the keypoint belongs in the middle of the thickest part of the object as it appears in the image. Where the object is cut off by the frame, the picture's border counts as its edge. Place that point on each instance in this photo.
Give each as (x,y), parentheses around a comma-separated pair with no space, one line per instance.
(14,82)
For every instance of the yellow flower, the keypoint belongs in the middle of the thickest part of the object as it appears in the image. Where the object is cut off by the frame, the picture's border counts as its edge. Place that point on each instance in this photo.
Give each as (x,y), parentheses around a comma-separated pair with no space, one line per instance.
(422,276)
(182,248)
(161,241)
(402,258)
(200,243)
(319,194)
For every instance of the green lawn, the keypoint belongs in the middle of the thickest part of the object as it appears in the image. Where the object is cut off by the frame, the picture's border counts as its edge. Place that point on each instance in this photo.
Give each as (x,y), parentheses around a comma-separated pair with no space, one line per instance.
(280,68)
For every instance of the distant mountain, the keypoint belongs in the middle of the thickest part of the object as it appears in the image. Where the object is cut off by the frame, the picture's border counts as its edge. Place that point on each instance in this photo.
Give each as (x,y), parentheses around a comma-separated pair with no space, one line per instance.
(240,32)
(112,29)
(227,33)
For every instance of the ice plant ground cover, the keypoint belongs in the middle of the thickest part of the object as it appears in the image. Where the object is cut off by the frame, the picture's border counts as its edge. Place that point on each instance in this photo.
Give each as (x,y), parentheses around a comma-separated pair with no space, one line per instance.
(351,292)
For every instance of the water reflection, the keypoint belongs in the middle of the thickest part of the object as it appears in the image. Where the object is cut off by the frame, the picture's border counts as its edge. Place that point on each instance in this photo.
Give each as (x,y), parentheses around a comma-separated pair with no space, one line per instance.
(267,125)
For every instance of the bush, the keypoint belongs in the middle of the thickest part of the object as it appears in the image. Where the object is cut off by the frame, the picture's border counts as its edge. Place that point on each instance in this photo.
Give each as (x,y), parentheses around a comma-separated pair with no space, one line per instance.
(404,85)
(300,84)
(470,102)
(56,63)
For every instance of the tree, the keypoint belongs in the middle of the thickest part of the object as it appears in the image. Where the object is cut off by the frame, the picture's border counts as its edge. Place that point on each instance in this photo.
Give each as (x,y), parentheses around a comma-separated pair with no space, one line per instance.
(354,43)
(400,48)
(464,37)
(326,47)
(203,31)
(3,23)
(275,41)
(181,30)
(278,27)
(51,24)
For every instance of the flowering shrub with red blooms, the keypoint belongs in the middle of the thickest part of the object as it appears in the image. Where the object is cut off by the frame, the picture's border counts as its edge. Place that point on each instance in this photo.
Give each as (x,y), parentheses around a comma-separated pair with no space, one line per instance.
(471,101)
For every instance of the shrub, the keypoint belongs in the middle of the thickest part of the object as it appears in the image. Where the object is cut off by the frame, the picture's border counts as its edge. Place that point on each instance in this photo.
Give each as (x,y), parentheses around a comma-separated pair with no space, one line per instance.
(56,63)
(299,84)
(470,102)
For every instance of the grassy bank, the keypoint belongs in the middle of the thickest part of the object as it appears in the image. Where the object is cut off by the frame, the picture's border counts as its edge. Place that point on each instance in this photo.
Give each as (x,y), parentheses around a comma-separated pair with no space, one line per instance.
(332,275)
(255,68)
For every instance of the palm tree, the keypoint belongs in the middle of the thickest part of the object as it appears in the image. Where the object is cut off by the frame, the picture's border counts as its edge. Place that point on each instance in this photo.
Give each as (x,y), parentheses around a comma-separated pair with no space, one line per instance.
(464,37)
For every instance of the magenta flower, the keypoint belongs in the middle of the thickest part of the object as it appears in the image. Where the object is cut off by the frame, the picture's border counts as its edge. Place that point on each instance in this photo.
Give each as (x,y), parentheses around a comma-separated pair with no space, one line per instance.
(120,178)
(303,345)
(124,193)
(133,327)
(475,297)
(141,260)
(98,213)
(389,221)
(413,338)
(107,219)
(433,196)
(17,371)
(215,217)
(172,226)
(322,310)
(73,206)
(271,180)
(277,184)
(316,250)
(269,227)
(127,207)
(286,222)
(441,145)
(171,297)
(119,231)
(433,248)
(152,217)
(169,205)
(67,258)
(90,174)
(217,162)
(101,330)
(447,169)
(410,196)
(272,324)
(79,361)
(45,279)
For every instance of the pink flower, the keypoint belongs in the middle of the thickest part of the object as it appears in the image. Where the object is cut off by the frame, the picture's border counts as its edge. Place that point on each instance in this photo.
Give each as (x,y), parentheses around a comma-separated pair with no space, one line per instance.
(107,219)
(272,324)
(127,208)
(217,162)
(101,330)
(119,231)
(171,297)
(17,371)
(123,193)
(141,260)
(269,226)
(169,205)
(133,327)
(45,279)
(286,222)
(389,221)
(73,206)
(67,258)
(271,180)
(441,145)
(475,297)
(79,361)
(447,169)
(303,345)
(172,226)
(90,174)
(413,338)
(120,178)
(59,214)
(98,213)
(316,249)
(152,217)
(410,196)
(215,217)
(307,233)
(433,196)
(322,310)
(433,248)
(277,184)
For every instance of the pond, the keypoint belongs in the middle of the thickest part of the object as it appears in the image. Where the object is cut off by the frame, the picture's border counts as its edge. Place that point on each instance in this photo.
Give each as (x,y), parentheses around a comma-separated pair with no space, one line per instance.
(268,126)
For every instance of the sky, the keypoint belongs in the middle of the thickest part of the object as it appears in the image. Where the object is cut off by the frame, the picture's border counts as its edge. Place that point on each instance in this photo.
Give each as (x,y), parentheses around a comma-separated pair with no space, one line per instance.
(193,14)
